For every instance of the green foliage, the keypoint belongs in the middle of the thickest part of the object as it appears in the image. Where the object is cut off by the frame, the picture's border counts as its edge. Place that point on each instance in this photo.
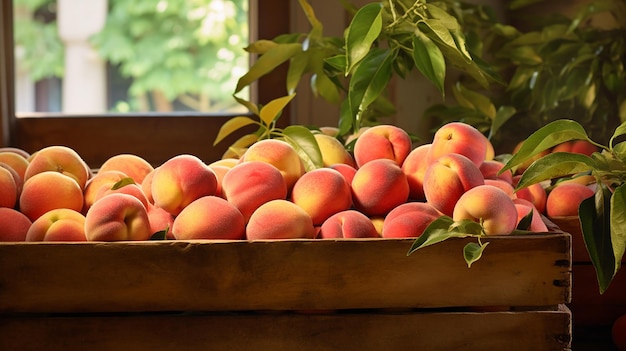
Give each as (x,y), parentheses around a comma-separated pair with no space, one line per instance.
(602,217)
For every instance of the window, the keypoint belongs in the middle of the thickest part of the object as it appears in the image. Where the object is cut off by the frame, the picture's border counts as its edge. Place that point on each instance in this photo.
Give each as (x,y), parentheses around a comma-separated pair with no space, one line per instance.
(156,137)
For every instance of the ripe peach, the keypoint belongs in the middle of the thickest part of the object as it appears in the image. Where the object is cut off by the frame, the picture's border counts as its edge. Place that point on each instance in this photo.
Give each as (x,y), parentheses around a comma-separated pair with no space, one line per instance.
(523,209)
(414,167)
(459,138)
(47,191)
(490,206)
(61,159)
(9,192)
(379,186)
(209,217)
(220,171)
(524,165)
(14,225)
(133,166)
(102,179)
(490,169)
(348,224)
(333,151)
(146,185)
(534,193)
(504,185)
(577,147)
(226,162)
(61,224)
(180,180)
(16,161)
(280,219)
(251,184)
(117,217)
(383,141)
(130,189)
(279,154)
(321,193)
(564,199)
(448,178)
(347,171)
(16,150)
(409,220)
(160,220)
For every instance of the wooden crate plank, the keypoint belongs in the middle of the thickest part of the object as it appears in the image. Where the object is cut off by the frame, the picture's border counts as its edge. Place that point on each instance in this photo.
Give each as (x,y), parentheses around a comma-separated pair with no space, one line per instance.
(530,270)
(529,330)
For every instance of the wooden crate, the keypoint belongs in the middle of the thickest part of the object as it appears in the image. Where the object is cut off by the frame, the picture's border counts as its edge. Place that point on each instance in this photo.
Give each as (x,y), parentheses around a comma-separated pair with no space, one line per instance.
(364,294)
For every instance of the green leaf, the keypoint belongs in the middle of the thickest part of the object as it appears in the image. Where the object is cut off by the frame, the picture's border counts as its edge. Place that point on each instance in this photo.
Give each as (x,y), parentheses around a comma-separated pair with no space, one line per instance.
(594,222)
(244,141)
(439,230)
(503,114)
(546,137)
(122,183)
(472,252)
(474,100)
(618,224)
(524,223)
(254,109)
(271,111)
(297,67)
(316,25)
(261,46)
(363,30)
(303,141)
(231,126)
(429,60)
(619,131)
(160,235)
(555,165)
(267,62)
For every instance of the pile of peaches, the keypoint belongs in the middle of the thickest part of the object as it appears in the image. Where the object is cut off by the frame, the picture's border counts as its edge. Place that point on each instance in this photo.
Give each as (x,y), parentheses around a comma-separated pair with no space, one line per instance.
(384,188)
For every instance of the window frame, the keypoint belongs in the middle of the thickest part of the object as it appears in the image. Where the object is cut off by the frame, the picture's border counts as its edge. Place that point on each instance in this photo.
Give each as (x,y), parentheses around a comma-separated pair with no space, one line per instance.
(153,136)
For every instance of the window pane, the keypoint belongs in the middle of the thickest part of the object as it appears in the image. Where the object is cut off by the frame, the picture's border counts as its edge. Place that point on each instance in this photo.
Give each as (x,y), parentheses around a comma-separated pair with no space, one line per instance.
(90,57)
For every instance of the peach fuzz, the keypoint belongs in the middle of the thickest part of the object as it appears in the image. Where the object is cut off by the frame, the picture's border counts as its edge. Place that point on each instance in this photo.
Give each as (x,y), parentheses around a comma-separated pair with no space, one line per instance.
(279,154)
(333,151)
(503,185)
(61,159)
(459,138)
(117,217)
(15,161)
(102,179)
(491,168)
(414,167)
(409,220)
(348,224)
(251,184)
(47,191)
(133,166)
(209,217)
(61,224)
(9,193)
(321,193)
(346,171)
(160,220)
(14,225)
(490,206)
(379,186)
(448,178)
(130,189)
(146,185)
(280,219)
(179,181)
(383,141)
(564,199)
(534,193)
(523,209)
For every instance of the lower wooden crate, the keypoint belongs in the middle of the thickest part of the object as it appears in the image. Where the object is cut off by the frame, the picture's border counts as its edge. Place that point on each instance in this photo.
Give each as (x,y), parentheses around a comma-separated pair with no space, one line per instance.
(530,330)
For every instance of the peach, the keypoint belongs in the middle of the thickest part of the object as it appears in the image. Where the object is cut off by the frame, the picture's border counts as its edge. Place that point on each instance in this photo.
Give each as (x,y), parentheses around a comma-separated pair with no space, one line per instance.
(564,199)
(25,154)
(61,224)
(9,191)
(333,151)
(383,141)
(160,220)
(347,171)
(459,138)
(102,179)
(409,220)
(61,159)
(490,206)
(280,219)
(328,130)
(179,181)
(220,171)
(47,191)
(14,225)
(16,161)
(504,185)
(583,147)
(209,217)
(448,178)
(519,169)
(534,193)
(146,185)
(379,186)
(321,193)
(125,188)
(523,209)
(378,222)
(491,152)
(117,217)
(133,166)
(226,162)
(251,184)
(279,154)
(491,168)
(348,224)
(414,167)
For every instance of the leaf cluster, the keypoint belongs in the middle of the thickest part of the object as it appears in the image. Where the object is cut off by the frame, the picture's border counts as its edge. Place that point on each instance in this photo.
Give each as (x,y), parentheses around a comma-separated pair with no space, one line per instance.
(603,216)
